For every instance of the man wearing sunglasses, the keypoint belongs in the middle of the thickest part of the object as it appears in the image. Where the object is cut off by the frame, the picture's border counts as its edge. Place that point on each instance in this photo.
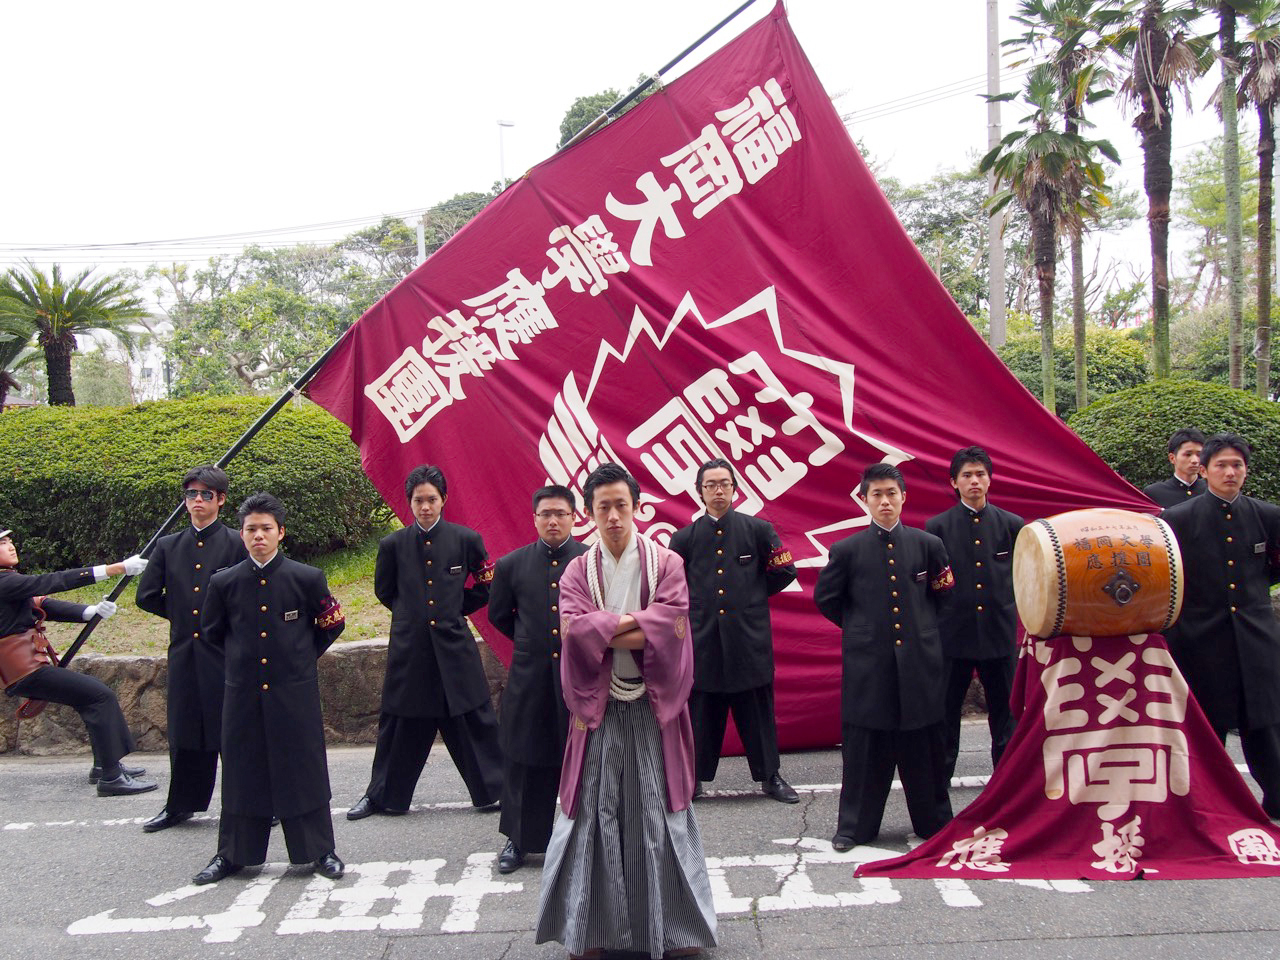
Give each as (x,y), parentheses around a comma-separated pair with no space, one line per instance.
(734,563)
(174,586)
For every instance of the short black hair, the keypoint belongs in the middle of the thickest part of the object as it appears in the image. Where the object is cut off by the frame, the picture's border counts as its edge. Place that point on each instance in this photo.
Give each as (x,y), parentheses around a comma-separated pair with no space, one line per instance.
(215,478)
(261,503)
(554,491)
(1225,441)
(970,455)
(1185,435)
(881,471)
(427,473)
(604,475)
(719,463)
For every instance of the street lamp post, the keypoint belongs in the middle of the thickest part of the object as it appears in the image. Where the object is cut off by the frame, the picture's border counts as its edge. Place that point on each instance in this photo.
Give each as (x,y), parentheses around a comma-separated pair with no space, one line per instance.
(502,163)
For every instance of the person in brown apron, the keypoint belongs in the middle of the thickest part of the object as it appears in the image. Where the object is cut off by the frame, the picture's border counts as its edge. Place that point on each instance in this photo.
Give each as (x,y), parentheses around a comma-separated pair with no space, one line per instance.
(28,663)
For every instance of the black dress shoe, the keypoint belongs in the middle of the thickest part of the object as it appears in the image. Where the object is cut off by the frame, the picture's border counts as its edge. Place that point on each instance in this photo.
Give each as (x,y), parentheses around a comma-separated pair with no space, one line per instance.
(124,785)
(164,820)
(511,858)
(698,792)
(841,844)
(275,821)
(330,866)
(218,868)
(95,773)
(364,808)
(779,789)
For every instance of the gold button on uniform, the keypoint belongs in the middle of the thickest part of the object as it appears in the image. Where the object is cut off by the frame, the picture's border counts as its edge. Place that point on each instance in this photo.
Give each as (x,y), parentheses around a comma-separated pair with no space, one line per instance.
(891,561)
(555,632)
(722,612)
(264,661)
(979,608)
(1233,609)
(719,533)
(719,553)
(554,608)
(196,589)
(979,563)
(197,566)
(196,635)
(431,603)
(897,626)
(199,543)
(895,609)
(893,576)
(555,655)
(720,571)
(721,591)
(555,563)
(263,608)
(195,613)
(978,586)
(893,593)
(431,622)
(554,584)
(977,543)
(266,686)
(898,643)
(263,634)
(1228,539)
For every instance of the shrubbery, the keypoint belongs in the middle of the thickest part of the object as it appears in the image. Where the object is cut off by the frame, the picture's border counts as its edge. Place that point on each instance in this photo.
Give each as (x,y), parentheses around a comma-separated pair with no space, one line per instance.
(91,485)
(1114,360)
(1130,429)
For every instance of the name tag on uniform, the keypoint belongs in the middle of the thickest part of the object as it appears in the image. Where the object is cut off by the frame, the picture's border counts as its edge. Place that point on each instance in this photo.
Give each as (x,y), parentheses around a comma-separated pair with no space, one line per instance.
(220,569)
(457,569)
(745,558)
(1260,547)
(290,615)
(1002,554)
(921,576)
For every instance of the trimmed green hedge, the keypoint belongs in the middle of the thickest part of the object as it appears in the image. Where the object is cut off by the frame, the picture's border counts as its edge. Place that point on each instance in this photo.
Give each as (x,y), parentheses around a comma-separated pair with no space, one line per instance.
(1130,429)
(91,485)
(1113,361)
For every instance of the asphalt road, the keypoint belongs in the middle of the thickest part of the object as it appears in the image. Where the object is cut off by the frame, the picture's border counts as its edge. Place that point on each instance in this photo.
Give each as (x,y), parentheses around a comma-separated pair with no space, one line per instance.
(81,880)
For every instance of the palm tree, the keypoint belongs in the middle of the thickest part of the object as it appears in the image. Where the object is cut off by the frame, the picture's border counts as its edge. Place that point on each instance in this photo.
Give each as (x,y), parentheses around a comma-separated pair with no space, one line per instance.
(1260,85)
(1057,179)
(1164,57)
(14,339)
(1226,103)
(1070,29)
(56,310)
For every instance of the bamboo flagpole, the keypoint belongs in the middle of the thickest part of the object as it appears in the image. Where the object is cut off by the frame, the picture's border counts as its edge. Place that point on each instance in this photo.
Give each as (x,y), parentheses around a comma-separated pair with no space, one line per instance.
(614,110)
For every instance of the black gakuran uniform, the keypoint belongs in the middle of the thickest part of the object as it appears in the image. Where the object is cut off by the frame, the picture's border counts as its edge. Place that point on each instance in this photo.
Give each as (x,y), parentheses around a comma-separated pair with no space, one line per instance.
(1227,640)
(524,603)
(882,588)
(272,622)
(733,566)
(979,619)
(1171,491)
(23,606)
(435,679)
(175,586)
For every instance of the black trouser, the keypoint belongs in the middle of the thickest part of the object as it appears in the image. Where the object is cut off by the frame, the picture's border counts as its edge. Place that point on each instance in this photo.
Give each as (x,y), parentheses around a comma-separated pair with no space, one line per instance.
(192,774)
(405,742)
(869,759)
(307,837)
(93,700)
(996,677)
(752,715)
(528,804)
(1261,747)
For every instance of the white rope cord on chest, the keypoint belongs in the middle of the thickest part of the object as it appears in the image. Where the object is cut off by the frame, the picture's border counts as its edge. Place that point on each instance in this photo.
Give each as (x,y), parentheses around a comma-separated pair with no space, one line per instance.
(619,688)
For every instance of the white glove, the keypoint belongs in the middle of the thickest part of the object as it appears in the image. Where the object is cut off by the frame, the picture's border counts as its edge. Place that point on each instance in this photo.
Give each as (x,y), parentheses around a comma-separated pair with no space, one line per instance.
(103,608)
(134,565)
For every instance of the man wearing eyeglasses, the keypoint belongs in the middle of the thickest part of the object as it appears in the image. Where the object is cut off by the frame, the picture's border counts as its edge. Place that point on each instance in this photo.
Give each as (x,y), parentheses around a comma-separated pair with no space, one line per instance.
(524,603)
(174,586)
(734,563)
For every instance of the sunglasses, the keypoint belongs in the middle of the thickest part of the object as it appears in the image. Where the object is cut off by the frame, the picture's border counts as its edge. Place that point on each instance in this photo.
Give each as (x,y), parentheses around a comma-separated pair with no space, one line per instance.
(205,495)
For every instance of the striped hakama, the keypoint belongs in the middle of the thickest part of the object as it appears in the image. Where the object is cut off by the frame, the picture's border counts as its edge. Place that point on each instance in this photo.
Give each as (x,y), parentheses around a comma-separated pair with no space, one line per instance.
(626,874)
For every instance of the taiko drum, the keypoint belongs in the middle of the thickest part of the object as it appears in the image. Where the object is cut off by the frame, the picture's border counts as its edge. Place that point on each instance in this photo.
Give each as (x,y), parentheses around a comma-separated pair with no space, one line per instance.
(1097,573)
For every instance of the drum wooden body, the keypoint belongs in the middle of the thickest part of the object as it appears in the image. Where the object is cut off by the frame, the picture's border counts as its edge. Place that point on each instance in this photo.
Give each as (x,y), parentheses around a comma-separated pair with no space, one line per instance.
(1097,573)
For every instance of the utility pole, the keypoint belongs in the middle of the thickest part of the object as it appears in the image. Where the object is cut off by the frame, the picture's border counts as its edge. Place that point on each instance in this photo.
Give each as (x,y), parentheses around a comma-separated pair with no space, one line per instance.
(502,162)
(422,239)
(996,331)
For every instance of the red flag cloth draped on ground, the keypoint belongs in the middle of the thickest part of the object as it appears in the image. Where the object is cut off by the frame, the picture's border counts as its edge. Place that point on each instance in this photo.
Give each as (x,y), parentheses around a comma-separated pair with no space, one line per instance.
(706,276)
(1113,773)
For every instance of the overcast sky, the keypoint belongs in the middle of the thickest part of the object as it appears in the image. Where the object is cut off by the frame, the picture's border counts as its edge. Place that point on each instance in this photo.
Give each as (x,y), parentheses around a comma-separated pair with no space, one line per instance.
(231,123)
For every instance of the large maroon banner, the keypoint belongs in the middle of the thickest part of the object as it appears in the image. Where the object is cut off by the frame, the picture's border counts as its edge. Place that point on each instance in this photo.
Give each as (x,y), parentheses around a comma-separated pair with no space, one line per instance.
(1113,773)
(716,274)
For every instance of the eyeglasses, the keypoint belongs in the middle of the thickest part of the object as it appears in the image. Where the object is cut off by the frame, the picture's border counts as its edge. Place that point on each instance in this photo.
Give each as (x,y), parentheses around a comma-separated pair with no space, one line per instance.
(553,514)
(205,495)
(718,485)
